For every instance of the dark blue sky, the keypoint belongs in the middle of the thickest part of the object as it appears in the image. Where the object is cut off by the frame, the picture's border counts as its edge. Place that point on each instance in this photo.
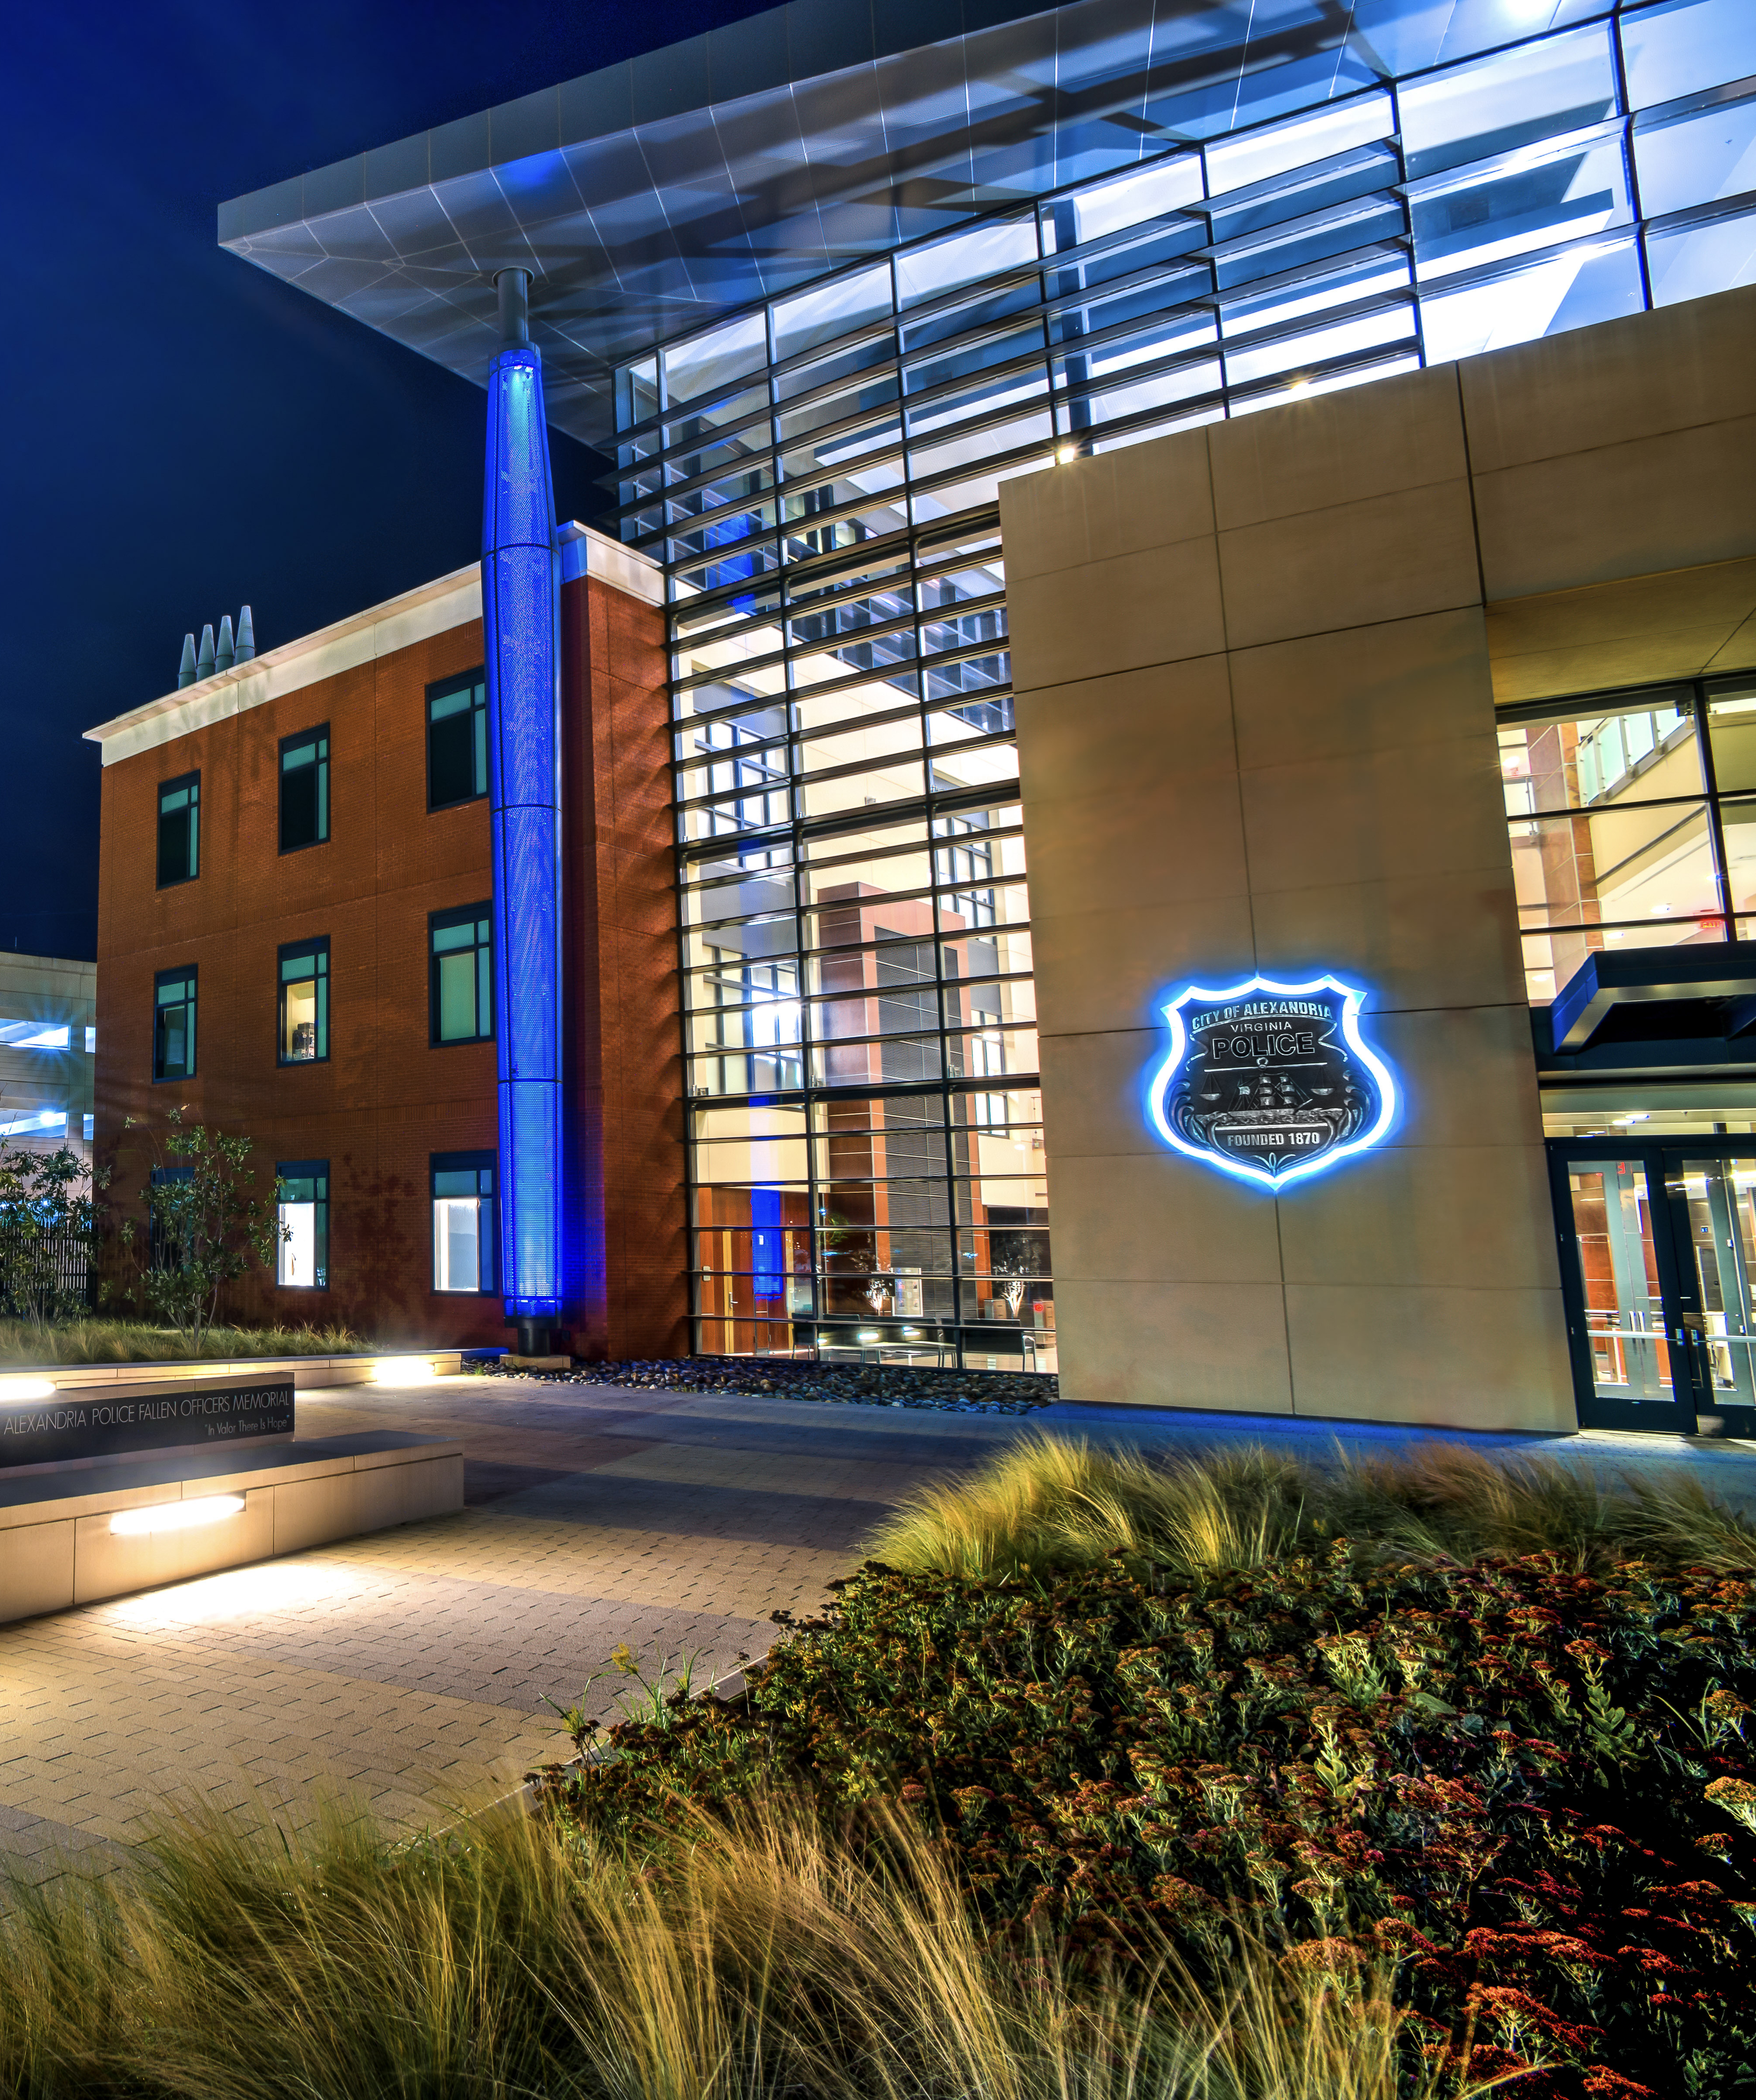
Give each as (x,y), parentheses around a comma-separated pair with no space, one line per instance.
(183,434)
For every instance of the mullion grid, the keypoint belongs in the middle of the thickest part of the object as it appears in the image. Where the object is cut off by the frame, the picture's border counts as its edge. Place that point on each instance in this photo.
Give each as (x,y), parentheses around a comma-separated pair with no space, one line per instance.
(811,1096)
(1080,435)
(1707,802)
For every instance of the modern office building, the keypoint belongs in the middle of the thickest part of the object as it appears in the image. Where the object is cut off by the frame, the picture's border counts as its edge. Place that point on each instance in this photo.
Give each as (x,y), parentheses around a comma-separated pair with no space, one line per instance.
(48,1042)
(826,282)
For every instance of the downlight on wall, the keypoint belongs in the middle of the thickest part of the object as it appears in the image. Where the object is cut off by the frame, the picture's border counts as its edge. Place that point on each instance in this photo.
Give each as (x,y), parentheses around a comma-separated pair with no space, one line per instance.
(1270,1083)
(175,1516)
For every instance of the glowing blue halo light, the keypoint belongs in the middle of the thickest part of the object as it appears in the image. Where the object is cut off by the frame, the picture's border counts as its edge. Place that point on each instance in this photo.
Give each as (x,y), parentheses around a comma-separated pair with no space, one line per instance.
(521,643)
(1300,1085)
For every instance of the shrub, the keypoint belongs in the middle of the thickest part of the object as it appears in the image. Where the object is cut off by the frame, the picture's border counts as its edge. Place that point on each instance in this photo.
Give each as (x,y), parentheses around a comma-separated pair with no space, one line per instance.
(1522,1784)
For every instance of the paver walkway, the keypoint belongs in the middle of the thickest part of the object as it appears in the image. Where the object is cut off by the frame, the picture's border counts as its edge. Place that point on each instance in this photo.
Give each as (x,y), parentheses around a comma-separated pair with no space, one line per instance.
(412,1667)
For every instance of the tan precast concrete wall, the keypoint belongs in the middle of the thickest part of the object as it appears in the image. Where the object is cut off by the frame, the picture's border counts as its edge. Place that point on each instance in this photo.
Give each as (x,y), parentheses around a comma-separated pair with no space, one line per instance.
(1255,691)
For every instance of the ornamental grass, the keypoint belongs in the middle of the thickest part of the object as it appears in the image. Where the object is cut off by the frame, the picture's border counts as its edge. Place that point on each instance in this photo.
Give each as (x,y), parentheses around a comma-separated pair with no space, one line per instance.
(730,1959)
(1054,1503)
(1517,1786)
(96,1341)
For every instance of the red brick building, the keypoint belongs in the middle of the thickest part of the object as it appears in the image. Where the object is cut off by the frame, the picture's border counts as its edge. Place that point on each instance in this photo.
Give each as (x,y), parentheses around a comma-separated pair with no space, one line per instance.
(293,850)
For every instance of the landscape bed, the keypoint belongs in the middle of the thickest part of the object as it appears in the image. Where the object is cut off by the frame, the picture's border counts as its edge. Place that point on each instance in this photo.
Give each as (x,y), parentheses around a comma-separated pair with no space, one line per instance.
(1523,1784)
(868,1385)
(1227,1779)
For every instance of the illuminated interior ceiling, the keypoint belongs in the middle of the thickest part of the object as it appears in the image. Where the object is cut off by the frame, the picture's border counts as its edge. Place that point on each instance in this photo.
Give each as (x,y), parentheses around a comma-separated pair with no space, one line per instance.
(652,196)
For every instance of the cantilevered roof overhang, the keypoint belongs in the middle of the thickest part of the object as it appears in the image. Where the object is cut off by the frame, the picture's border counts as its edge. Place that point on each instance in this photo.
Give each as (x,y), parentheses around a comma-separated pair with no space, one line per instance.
(655,195)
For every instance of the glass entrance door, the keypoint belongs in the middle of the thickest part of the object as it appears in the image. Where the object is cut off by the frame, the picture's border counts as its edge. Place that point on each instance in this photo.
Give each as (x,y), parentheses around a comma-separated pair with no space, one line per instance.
(1658,1271)
(1711,1199)
(1626,1360)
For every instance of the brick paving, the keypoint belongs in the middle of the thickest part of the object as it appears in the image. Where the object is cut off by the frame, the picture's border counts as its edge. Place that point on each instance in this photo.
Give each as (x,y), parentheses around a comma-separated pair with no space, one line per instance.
(411,1668)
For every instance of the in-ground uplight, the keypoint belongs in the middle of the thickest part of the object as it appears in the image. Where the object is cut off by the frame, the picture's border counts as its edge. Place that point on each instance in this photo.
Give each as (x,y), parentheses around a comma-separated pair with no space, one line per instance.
(1271,1083)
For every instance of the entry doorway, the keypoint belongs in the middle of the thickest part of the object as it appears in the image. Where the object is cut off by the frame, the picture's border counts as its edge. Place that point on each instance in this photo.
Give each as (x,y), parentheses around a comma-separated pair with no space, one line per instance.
(1658,1260)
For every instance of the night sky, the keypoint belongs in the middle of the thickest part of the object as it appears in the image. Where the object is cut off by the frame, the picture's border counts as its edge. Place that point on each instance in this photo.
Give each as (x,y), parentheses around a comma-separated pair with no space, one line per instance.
(185,434)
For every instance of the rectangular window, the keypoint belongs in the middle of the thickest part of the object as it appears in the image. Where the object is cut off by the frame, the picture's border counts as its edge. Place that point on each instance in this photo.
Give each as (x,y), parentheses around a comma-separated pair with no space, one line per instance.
(302,1208)
(456,741)
(304,1020)
(174,1025)
(463,1221)
(462,987)
(180,830)
(304,789)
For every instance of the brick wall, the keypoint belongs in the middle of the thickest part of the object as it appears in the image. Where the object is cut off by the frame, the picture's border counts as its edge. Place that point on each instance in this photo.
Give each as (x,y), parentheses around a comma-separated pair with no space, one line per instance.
(386,1098)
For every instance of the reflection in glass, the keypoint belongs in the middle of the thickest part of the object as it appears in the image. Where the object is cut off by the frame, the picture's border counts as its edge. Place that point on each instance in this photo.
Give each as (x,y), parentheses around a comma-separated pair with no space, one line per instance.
(1490,104)
(1719,1197)
(856,916)
(1625,1319)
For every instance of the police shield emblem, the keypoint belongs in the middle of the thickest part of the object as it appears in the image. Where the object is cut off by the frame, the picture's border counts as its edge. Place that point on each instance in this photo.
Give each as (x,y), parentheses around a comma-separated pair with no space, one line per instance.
(1271,1082)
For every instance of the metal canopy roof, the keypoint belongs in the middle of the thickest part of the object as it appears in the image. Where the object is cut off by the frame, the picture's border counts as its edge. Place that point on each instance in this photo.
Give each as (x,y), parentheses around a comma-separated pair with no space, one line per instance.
(655,195)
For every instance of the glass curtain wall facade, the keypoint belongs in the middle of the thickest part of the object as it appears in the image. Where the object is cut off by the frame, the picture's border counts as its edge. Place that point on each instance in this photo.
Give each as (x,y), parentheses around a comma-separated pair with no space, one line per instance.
(818,477)
(1633,820)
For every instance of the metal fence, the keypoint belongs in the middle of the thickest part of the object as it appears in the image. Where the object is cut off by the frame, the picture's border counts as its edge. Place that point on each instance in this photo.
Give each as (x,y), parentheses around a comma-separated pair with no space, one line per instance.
(39,1271)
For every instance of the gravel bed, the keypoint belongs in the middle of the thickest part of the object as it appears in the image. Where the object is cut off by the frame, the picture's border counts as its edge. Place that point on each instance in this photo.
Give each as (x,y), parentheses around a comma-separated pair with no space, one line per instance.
(863,1385)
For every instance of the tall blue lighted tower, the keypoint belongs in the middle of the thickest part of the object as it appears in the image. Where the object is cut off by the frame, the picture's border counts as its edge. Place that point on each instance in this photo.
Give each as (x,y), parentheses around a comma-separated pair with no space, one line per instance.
(521,636)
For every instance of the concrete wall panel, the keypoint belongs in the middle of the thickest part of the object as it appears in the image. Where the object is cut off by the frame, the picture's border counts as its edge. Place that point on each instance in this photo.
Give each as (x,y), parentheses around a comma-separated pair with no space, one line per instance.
(1121,502)
(1200,1344)
(37,1568)
(1384,558)
(1325,795)
(1456,1358)
(1107,616)
(1652,504)
(1404,433)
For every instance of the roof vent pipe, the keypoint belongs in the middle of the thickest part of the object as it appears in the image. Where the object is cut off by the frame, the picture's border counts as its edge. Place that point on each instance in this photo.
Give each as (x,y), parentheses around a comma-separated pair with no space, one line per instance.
(246,648)
(185,668)
(514,287)
(204,662)
(222,656)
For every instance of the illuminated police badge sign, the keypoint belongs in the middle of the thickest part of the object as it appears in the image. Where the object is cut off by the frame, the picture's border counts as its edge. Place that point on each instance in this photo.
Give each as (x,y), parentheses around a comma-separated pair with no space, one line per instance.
(1271,1082)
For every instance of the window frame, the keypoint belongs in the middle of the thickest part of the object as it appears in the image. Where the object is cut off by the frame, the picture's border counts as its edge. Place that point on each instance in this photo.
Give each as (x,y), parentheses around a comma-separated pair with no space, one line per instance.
(320,735)
(192,782)
(305,1170)
(488,1240)
(187,973)
(444,689)
(1692,699)
(318,948)
(438,922)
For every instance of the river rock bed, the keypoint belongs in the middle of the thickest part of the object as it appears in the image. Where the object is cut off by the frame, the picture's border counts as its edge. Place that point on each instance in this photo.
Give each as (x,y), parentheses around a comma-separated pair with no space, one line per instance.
(864,1385)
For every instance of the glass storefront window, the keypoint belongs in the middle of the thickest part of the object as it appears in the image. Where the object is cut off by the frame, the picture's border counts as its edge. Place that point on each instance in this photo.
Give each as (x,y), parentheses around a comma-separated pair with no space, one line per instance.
(820,474)
(1629,826)
(1489,105)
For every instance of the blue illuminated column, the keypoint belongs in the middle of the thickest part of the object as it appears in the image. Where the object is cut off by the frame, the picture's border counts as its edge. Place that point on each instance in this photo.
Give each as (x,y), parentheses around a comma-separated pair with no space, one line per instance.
(521,638)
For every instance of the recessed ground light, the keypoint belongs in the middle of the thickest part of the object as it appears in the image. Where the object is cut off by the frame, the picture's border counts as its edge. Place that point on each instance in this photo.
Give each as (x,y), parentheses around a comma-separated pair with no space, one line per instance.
(27,1389)
(403,1371)
(176,1516)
